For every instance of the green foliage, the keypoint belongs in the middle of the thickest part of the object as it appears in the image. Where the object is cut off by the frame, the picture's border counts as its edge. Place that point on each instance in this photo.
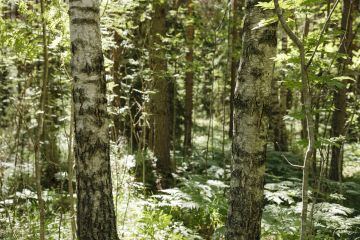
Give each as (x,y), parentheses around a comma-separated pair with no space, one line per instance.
(280,222)
(336,220)
(19,216)
(186,204)
(158,225)
(196,208)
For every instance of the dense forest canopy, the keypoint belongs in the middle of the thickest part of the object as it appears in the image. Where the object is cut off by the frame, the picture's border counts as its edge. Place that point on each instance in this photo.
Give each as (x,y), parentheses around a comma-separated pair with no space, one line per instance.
(179,119)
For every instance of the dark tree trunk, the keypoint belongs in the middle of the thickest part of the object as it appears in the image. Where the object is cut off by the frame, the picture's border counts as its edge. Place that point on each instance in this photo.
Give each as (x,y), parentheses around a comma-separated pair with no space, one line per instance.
(303,133)
(338,120)
(278,109)
(50,150)
(95,208)
(235,49)
(117,102)
(4,94)
(160,109)
(189,78)
(251,123)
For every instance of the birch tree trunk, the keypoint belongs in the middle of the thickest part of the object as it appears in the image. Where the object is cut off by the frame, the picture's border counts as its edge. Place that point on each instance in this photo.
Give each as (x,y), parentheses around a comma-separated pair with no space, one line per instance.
(251,106)
(95,208)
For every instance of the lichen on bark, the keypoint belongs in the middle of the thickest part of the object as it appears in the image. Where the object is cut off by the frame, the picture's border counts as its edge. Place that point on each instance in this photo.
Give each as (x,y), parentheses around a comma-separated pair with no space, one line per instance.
(251,110)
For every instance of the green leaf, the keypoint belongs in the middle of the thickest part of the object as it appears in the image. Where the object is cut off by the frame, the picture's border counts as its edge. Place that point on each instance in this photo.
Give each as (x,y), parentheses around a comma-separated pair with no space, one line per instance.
(266,5)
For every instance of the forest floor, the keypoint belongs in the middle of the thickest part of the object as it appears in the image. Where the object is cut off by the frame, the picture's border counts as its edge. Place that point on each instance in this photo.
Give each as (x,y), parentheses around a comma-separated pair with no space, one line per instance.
(196,207)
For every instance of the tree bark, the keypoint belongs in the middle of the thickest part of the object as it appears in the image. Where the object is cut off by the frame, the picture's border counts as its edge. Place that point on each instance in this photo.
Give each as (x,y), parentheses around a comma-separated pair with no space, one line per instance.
(160,109)
(50,150)
(303,133)
(278,109)
(235,49)
(95,208)
(117,102)
(189,77)
(252,106)
(338,120)
(282,135)
(4,94)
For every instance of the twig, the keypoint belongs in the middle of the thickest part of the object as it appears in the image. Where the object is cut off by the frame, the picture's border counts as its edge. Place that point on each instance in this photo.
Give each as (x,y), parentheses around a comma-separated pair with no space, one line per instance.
(223,17)
(287,160)
(322,33)
(105,8)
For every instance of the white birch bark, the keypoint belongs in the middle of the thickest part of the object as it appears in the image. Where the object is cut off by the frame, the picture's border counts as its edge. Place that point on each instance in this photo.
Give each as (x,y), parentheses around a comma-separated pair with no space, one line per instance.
(95,209)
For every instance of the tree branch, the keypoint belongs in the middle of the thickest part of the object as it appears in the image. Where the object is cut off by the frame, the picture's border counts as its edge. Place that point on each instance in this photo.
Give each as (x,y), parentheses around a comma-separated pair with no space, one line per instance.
(288,161)
(286,27)
(321,33)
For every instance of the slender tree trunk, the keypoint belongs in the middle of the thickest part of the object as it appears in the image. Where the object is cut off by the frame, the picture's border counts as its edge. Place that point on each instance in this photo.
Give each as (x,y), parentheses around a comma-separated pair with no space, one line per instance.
(280,132)
(95,208)
(235,49)
(252,106)
(316,100)
(275,117)
(189,78)
(307,104)
(117,102)
(40,121)
(71,172)
(303,133)
(173,125)
(338,120)
(50,150)
(4,95)
(160,109)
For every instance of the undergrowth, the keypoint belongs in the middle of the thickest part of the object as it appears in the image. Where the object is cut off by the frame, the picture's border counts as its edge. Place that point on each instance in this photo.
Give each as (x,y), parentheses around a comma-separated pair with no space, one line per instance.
(196,207)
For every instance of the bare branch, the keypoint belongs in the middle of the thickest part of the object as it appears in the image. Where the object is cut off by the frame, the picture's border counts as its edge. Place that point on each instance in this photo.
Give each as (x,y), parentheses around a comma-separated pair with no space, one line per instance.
(291,164)
(286,27)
